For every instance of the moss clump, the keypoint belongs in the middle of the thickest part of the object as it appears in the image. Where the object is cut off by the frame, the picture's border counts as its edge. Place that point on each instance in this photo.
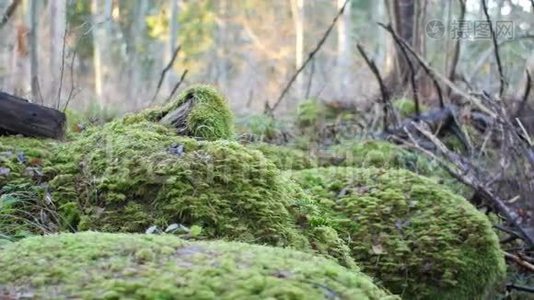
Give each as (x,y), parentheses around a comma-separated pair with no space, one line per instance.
(285,158)
(118,266)
(420,240)
(312,112)
(383,154)
(210,117)
(406,107)
(129,177)
(23,193)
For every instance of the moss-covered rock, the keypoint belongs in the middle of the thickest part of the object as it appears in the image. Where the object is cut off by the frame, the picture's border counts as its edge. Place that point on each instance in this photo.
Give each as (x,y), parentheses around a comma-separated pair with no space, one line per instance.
(419,239)
(383,154)
(127,178)
(284,157)
(22,187)
(210,118)
(128,266)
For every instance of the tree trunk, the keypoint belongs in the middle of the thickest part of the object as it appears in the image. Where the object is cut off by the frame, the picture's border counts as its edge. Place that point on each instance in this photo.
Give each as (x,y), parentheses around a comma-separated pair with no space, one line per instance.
(297,10)
(57,13)
(343,48)
(101,15)
(34,60)
(222,63)
(136,68)
(173,41)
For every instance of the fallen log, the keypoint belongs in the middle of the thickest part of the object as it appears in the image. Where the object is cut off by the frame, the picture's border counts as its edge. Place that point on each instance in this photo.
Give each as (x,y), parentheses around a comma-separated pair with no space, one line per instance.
(19,116)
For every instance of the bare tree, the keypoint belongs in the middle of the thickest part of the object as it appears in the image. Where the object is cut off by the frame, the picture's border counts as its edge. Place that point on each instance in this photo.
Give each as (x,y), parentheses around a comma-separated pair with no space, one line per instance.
(343,47)
(297,10)
(173,38)
(57,12)
(101,13)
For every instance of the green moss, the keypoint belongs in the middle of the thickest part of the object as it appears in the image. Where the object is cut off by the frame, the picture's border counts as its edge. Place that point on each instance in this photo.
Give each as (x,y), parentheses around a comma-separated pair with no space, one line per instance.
(284,157)
(313,111)
(420,240)
(209,119)
(128,178)
(260,127)
(23,203)
(406,107)
(120,266)
(383,154)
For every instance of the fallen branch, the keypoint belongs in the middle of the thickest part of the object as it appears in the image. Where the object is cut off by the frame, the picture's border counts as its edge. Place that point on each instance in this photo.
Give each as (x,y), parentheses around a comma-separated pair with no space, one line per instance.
(312,54)
(164,72)
(383,89)
(176,86)
(521,288)
(468,174)
(528,266)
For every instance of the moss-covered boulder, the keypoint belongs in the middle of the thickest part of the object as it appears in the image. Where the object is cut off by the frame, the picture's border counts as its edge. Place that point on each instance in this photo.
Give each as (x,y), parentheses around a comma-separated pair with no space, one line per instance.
(419,239)
(94,265)
(128,178)
(200,111)
(383,154)
(284,157)
(23,192)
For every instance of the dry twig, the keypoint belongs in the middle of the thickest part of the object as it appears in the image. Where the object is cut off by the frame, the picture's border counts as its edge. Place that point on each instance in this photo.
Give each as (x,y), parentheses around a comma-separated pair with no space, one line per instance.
(312,54)
(164,72)
(383,89)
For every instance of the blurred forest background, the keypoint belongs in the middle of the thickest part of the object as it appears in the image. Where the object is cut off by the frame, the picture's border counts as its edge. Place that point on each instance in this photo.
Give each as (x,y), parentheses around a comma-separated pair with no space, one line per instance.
(110,53)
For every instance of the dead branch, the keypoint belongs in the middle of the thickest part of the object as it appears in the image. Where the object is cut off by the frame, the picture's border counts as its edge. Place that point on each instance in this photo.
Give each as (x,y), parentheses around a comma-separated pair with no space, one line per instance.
(467,173)
(312,54)
(383,89)
(521,288)
(402,44)
(9,12)
(412,71)
(310,80)
(176,86)
(71,91)
(525,264)
(524,100)
(62,66)
(436,75)
(495,48)
(164,72)
(457,47)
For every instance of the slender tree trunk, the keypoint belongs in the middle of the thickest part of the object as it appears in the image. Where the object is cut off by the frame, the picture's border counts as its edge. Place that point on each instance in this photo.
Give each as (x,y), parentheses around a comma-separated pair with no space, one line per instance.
(173,41)
(222,55)
(402,14)
(57,13)
(297,9)
(101,19)
(34,60)
(136,71)
(20,79)
(343,47)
